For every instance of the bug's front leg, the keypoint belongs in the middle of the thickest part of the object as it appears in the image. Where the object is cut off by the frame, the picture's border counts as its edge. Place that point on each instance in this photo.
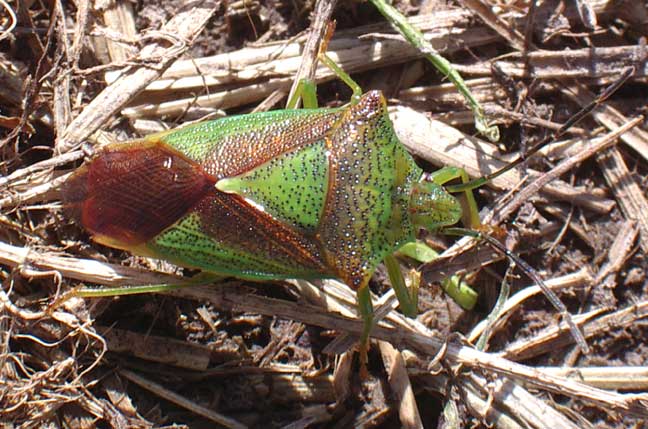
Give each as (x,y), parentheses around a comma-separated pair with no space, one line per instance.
(407,297)
(454,286)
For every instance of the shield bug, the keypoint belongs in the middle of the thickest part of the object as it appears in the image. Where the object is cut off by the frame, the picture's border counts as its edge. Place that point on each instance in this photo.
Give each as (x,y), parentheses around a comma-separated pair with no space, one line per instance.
(310,193)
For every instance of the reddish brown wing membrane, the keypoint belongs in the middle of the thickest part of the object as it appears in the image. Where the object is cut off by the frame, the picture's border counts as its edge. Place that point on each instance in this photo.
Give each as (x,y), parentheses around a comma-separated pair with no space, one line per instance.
(131,192)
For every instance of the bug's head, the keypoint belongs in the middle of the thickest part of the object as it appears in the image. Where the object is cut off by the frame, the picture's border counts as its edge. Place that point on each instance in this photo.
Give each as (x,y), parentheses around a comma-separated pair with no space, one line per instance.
(432,207)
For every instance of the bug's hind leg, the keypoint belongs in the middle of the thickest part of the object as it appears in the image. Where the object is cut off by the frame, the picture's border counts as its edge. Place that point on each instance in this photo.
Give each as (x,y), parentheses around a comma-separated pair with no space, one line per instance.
(201,279)
(307,89)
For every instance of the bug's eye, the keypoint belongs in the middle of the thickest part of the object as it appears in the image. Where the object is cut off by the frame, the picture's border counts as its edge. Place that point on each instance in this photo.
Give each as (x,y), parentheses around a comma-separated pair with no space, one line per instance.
(431,207)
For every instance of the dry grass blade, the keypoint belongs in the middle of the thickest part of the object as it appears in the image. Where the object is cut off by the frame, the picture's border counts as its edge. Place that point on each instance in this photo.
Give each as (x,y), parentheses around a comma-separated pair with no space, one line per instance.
(307,67)
(541,182)
(615,377)
(181,30)
(581,279)
(427,344)
(181,354)
(183,402)
(400,383)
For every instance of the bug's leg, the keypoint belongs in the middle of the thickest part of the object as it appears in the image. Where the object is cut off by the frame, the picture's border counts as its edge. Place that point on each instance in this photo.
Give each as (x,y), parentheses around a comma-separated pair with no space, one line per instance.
(306,89)
(455,287)
(366,313)
(533,275)
(447,174)
(307,92)
(103,292)
(407,300)
(343,76)
(337,70)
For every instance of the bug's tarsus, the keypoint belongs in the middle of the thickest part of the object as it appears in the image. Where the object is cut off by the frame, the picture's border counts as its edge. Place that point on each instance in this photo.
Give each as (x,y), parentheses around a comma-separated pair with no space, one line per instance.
(328,35)
(365,308)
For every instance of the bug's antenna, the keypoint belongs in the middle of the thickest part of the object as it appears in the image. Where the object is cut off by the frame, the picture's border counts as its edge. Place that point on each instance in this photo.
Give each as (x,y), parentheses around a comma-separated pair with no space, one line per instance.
(605,94)
(498,246)
(534,276)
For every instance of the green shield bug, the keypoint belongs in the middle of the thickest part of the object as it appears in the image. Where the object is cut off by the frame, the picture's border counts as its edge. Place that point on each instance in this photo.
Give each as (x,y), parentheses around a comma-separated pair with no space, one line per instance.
(310,193)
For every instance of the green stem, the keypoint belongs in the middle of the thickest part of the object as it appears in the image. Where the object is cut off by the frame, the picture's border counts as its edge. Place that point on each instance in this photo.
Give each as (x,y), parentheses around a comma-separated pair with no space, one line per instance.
(496,311)
(416,38)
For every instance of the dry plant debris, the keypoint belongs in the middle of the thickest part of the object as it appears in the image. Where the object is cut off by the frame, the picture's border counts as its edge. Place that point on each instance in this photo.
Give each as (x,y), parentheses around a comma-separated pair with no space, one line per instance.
(243,354)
